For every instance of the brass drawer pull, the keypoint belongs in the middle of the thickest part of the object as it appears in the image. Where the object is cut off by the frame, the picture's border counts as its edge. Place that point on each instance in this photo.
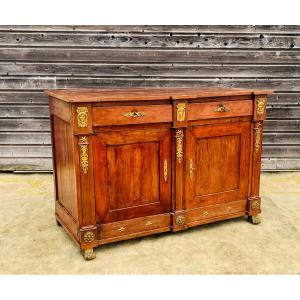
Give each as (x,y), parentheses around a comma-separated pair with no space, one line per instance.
(221,108)
(205,213)
(165,170)
(148,223)
(134,114)
(121,229)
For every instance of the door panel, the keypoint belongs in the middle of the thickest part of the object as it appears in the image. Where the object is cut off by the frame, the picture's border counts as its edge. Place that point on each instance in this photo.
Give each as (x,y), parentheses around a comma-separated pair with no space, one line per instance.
(132,159)
(217,163)
(219,168)
(132,173)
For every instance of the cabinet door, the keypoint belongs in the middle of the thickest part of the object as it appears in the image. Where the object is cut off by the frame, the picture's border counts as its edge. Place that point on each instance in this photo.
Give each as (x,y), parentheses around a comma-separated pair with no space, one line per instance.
(132,173)
(217,163)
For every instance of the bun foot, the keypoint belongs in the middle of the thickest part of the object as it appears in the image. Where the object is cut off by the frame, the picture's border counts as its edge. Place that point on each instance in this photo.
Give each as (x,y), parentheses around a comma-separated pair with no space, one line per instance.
(254,219)
(88,254)
(57,223)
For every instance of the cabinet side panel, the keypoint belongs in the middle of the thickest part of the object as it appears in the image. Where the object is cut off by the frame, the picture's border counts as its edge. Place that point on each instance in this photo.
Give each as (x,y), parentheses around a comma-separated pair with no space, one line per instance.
(65,168)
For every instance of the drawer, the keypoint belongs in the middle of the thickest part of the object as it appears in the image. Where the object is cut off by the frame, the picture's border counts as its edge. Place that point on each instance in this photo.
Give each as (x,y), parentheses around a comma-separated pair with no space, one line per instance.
(122,115)
(214,211)
(128,227)
(225,109)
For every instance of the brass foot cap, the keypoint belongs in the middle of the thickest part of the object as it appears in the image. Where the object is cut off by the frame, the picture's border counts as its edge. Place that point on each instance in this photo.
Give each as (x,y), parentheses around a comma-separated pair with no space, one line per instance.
(254,220)
(88,254)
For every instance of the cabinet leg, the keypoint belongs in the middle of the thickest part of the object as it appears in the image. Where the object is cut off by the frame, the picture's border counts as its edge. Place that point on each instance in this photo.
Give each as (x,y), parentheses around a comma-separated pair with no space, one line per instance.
(254,219)
(57,223)
(88,254)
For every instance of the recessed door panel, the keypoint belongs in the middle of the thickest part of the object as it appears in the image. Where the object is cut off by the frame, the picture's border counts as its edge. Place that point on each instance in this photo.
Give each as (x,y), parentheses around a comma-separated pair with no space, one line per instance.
(133,178)
(132,173)
(217,164)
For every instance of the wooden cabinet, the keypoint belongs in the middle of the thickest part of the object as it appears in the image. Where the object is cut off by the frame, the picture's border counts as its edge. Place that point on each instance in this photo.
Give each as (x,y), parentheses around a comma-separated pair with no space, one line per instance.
(134,162)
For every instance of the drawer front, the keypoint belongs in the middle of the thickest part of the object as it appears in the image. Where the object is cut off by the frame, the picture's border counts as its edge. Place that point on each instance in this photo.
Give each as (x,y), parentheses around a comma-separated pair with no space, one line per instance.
(213,211)
(122,115)
(118,229)
(212,110)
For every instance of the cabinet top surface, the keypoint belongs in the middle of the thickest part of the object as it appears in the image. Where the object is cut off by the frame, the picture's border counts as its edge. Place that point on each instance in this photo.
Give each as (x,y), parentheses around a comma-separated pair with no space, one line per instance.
(132,94)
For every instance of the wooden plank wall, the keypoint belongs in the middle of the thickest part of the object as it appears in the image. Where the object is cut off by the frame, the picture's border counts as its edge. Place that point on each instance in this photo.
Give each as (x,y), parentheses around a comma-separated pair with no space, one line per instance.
(34,58)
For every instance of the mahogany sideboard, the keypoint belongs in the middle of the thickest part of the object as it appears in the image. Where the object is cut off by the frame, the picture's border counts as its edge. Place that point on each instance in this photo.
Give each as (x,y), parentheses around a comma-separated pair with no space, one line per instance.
(135,162)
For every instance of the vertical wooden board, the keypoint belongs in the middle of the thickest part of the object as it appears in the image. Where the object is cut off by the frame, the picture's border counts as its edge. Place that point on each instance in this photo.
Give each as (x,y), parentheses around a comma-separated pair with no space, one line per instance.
(86,166)
(256,157)
(64,161)
(180,156)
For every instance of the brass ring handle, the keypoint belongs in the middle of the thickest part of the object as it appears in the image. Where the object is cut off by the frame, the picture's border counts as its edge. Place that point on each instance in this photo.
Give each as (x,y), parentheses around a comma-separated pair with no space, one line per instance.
(221,108)
(134,114)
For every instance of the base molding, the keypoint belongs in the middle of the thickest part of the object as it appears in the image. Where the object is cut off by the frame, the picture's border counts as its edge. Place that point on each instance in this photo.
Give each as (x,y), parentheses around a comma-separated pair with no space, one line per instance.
(90,237)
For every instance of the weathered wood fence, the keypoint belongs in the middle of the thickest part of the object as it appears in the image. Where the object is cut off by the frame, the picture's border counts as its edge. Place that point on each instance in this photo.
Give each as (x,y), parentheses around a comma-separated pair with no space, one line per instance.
(34,58)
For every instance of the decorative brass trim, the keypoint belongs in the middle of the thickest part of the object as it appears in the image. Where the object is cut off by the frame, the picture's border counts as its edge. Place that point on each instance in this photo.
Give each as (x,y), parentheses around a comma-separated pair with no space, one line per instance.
(181,107)
(121,229)
(221,108)
(148,223)
(255,205)
(134,114)
(84,157)
(255,220)
(89,254)
(165,170)
(258,130)
(82,116)
(260,106)
(88,236)
(191,169)
(180,220)
(179,145)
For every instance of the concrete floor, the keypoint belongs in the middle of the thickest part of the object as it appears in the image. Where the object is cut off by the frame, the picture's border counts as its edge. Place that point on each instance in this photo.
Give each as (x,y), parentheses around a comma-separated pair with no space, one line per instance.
(32,243)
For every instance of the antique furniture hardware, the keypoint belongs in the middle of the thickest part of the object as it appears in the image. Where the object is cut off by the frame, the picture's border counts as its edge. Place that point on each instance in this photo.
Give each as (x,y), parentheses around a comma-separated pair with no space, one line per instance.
(88,254)
(181,111)
(191,169)
(255,205)
(127,167)
(134,114)
(179,145)
(165,170)
(88,236)
(221,108)
(84,157)
(148,223)
(258,130)
(255,219)
(82,116)
(260,106)
(180,220)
